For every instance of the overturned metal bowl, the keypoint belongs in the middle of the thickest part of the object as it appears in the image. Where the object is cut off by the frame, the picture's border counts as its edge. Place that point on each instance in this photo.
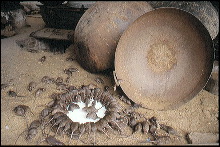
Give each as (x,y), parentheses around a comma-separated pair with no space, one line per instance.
(99,29)
(164,59)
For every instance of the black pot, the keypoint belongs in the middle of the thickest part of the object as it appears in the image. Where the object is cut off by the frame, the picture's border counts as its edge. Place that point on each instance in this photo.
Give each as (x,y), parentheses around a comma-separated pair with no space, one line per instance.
(61,17)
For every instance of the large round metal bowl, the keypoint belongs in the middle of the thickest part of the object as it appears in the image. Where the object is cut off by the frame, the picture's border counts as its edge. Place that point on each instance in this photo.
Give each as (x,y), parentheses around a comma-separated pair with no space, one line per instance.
(164,59)
(99,29)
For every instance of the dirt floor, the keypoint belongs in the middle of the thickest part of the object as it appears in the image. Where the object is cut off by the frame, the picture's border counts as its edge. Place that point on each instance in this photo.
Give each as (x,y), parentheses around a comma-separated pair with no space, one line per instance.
(19,68)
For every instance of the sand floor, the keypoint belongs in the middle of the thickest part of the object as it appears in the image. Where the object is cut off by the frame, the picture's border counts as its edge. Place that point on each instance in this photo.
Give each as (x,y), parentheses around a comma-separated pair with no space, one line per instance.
(21,67)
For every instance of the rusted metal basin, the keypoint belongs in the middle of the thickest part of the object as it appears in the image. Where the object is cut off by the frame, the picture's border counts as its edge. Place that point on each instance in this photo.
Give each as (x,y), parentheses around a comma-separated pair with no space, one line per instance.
(99,29)
(164,59)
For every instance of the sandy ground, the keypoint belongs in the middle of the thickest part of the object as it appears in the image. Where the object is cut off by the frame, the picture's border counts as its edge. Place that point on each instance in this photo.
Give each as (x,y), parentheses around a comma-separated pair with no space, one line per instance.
(21,67)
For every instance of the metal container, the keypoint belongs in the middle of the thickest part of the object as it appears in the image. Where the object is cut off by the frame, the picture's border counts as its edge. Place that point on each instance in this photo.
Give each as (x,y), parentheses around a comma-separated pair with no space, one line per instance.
(164,59)
(99,29)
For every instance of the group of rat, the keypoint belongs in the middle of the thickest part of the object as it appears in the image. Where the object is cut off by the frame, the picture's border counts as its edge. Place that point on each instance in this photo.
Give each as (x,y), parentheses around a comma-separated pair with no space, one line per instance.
(115,119)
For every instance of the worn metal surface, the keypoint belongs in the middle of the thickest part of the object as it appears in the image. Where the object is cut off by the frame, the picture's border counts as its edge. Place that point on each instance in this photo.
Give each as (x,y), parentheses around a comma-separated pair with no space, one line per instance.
(164,59)
(203,10)
(99,29)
